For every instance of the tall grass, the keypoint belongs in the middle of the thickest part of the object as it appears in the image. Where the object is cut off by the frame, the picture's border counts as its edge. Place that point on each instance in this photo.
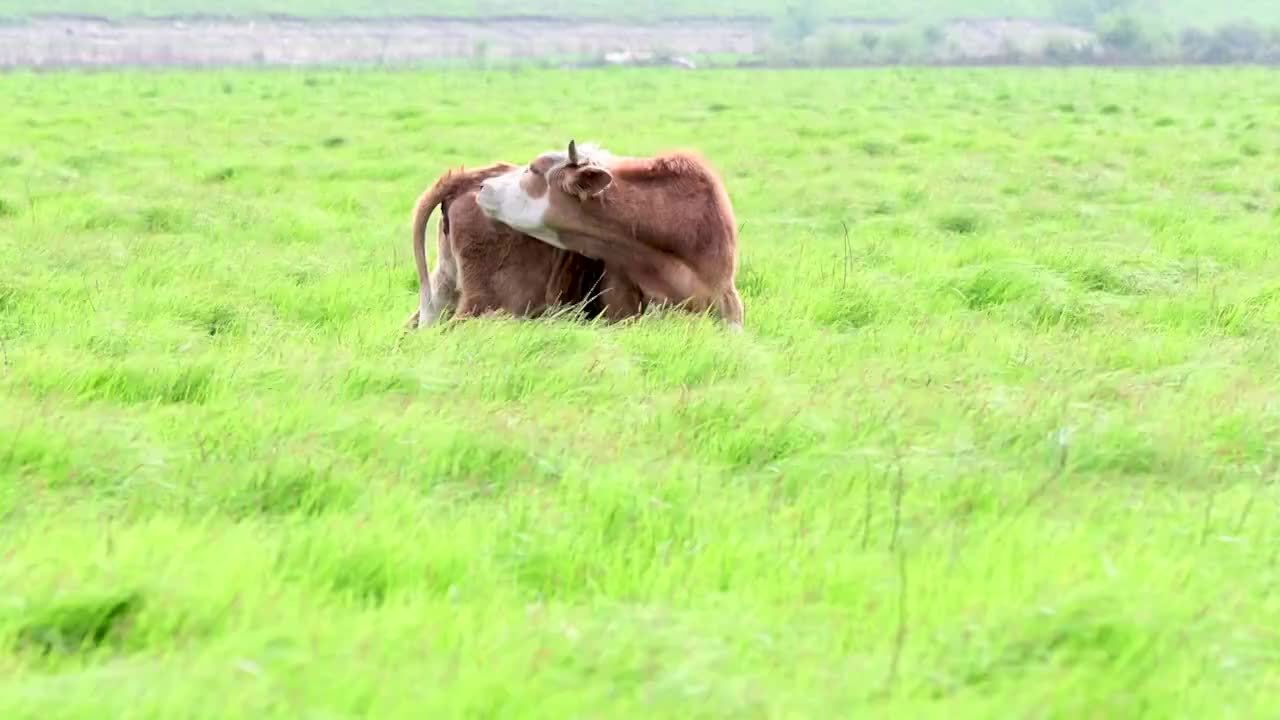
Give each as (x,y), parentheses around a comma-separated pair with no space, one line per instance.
(1006,447)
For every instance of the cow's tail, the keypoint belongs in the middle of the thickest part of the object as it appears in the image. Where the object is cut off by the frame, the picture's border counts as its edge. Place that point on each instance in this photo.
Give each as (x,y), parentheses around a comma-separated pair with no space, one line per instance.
(449,184)
(427,203)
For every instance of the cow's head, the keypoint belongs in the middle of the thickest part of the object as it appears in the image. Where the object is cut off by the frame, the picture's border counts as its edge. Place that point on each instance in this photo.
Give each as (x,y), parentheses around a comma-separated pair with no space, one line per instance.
(539,198)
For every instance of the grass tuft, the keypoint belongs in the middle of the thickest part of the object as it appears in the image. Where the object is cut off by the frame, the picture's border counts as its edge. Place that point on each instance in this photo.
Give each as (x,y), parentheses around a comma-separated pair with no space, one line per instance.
(71,627)
(959,223)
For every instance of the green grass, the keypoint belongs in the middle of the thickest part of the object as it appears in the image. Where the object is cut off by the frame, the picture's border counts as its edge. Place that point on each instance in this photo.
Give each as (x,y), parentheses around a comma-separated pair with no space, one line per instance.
(1008,450)
(1178,13)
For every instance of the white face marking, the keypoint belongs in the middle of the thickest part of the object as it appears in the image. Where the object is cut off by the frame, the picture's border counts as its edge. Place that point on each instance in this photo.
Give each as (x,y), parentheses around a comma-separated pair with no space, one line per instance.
(504,200)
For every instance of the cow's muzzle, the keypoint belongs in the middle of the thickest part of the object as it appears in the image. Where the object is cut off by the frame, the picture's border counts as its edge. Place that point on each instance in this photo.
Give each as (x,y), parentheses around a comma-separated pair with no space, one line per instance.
(487,198)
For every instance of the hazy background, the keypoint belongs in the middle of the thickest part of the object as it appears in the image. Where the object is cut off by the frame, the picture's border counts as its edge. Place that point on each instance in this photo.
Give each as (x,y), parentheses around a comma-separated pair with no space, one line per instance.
(778,33)
(1177,13)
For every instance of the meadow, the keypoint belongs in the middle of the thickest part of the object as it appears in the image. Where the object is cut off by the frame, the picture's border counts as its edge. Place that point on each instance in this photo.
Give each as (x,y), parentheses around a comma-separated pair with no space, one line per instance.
(1000,436)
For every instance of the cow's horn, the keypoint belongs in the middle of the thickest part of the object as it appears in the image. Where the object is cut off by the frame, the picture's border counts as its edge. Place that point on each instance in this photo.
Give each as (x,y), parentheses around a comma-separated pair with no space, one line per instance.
(573,153)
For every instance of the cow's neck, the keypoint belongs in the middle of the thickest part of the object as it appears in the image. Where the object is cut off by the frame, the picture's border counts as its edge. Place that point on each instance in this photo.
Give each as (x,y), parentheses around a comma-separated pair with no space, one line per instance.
(660,275)
(637,214)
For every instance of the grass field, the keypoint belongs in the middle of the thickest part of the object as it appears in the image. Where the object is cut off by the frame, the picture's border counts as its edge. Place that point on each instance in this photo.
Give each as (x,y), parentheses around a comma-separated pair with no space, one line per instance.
(1174,13)
(1008,450)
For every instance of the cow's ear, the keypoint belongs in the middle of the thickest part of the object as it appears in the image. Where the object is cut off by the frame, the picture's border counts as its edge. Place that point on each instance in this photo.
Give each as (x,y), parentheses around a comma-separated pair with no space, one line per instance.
(590,181)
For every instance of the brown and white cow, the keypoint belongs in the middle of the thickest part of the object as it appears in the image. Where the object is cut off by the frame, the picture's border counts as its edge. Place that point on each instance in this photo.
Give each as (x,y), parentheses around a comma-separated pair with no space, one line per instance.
(664,223)
(485,266)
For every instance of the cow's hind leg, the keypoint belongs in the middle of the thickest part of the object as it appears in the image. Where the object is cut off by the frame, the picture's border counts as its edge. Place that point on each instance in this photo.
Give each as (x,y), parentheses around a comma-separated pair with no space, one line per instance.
(474,305)
(477,296)
(730,307)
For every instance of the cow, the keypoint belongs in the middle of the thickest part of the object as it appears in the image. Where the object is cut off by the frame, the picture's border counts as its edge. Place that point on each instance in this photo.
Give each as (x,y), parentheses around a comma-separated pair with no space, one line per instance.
(664,223)
(485,266)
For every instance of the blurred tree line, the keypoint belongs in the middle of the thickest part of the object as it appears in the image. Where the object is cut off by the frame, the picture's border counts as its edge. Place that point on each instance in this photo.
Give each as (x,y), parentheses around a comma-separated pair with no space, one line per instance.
(1118,33)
